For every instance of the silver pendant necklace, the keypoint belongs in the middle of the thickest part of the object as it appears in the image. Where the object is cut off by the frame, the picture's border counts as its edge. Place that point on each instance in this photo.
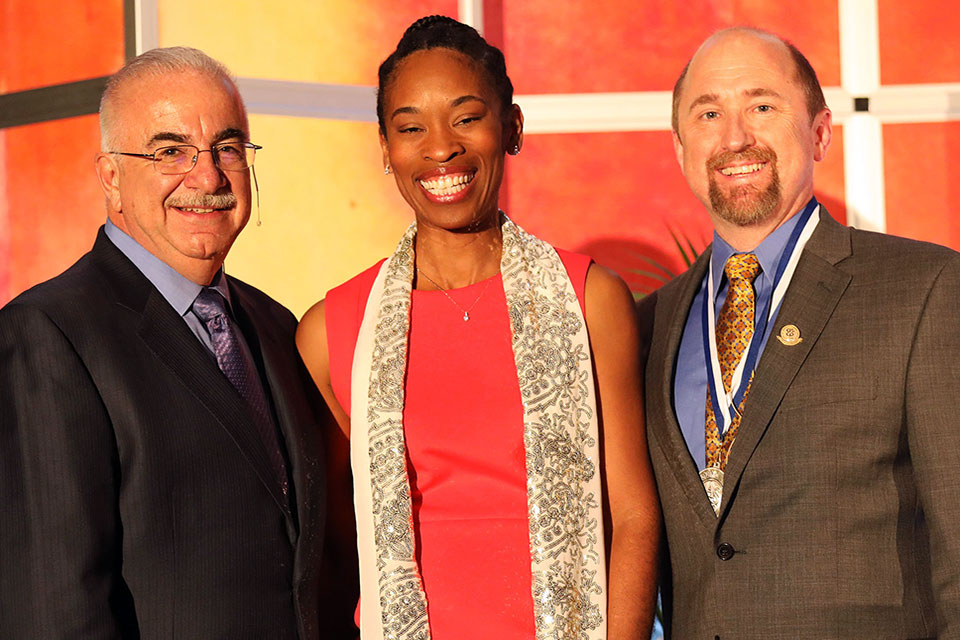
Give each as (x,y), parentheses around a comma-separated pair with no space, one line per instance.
(466,312)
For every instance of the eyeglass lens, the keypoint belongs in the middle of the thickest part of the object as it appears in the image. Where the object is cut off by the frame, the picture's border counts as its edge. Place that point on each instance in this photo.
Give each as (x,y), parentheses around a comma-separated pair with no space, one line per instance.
(180,158)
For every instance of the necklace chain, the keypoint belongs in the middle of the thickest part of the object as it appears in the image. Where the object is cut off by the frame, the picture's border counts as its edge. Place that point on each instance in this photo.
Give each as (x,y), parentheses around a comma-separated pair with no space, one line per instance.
(466,312)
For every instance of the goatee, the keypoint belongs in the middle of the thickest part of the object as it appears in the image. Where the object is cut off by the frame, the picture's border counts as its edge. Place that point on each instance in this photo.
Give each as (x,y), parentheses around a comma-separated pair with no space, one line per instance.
(747,204)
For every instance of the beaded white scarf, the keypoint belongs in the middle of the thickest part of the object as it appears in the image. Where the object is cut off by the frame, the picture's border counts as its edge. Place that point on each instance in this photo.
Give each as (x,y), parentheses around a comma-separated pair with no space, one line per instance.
(554,368)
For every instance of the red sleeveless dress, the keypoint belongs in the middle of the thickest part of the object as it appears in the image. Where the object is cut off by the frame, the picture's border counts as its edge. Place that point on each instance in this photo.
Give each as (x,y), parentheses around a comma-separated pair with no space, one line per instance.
(463,426)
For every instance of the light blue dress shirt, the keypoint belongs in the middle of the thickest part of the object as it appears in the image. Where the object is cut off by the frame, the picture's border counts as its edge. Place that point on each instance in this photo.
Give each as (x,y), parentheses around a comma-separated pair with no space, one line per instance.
(690,381)
(175,289)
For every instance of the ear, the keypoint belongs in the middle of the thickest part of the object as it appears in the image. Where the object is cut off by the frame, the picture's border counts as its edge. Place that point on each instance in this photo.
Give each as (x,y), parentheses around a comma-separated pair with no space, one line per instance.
(385,150)
(678,149)
(822,134)
(513,131)
(108,173)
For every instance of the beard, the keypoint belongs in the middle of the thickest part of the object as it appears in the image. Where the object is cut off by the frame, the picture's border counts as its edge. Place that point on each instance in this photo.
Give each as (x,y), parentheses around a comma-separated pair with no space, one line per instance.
(747,204)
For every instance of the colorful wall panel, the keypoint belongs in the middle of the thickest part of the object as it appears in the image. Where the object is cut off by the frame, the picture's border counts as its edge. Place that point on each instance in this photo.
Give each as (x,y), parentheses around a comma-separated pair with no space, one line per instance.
(643,46)
(52,204)
(335,41)
(45,43)
(327,210)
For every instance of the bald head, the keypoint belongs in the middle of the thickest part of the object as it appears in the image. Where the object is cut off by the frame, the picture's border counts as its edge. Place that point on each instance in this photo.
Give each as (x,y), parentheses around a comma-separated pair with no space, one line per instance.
(804,74)
(151,65)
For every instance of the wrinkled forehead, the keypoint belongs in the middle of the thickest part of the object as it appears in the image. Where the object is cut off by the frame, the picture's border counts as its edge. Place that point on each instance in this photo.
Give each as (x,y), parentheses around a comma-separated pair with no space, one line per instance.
(191,104)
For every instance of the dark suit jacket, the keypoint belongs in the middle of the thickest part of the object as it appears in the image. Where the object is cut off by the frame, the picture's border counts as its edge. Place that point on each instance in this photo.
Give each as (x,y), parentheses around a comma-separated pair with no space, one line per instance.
(841,508)
(136,498)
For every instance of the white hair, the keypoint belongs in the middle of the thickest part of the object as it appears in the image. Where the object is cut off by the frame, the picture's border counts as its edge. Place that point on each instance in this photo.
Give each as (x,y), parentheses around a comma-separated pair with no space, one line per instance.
(155,62)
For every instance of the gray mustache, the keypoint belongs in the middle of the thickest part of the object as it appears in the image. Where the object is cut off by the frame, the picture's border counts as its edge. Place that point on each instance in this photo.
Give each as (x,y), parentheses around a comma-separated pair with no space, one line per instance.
(209,201)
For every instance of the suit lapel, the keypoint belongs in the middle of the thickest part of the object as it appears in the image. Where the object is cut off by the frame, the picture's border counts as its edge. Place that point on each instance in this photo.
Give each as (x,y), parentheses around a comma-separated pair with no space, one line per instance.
(811,298)
(673,307)
(169,338)
(295,418)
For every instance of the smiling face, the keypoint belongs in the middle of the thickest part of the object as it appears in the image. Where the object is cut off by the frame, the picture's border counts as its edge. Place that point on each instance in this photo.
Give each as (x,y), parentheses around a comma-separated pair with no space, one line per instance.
(191,220)
(746,142)
(446,139)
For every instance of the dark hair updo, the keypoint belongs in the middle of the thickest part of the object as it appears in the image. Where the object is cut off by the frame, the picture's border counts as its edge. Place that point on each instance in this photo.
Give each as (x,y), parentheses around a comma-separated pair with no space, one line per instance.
(442,31)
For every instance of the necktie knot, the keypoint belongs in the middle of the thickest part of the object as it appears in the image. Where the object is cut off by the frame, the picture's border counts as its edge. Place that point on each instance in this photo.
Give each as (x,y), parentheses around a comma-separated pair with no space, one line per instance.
(211,308)
(742,267)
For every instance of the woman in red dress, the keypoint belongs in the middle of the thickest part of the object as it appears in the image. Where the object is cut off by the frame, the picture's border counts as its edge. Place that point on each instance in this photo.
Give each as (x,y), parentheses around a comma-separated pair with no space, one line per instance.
(488,384)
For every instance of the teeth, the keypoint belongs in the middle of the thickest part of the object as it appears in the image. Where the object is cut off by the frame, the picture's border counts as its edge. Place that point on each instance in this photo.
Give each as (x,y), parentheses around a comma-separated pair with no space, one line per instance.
(195,210)
(747,168)
(447,185)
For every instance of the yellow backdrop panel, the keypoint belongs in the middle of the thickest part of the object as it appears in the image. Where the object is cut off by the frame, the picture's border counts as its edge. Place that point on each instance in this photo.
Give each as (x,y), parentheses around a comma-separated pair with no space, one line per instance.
(333,41)
(327,210)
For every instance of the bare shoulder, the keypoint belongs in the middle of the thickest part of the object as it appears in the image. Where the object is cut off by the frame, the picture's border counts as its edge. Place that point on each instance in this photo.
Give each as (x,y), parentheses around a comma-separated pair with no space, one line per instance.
(609,302)
(312,341)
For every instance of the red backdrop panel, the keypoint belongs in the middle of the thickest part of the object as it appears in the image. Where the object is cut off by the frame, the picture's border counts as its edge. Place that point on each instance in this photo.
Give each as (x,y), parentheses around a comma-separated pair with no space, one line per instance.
(922,190)
(577,47)
(614,196)
(45,43)
(54,204)
(618,197)
(918,42)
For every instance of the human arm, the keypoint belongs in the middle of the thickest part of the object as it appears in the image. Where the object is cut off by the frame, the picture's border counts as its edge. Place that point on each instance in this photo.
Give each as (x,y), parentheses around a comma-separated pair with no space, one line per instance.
(932,386)
(60,530)
(312,344)
(631,499)
(341,546)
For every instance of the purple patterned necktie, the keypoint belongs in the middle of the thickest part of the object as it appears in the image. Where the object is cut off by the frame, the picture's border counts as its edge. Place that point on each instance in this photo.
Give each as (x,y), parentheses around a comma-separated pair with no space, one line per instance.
(210,307)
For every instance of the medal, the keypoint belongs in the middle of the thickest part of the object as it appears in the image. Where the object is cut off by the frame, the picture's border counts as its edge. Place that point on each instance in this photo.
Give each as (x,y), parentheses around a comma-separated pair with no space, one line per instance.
(712,478)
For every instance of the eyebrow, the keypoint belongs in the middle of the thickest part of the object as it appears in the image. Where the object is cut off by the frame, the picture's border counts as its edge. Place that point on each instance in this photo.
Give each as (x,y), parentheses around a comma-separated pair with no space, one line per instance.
(709,98)
(761,92)
(167,136)
(229,132)
(467,98)
(455,103)
(179,138)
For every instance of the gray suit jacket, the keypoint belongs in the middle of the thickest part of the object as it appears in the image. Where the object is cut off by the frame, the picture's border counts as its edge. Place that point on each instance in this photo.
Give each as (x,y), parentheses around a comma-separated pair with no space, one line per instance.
(841,508)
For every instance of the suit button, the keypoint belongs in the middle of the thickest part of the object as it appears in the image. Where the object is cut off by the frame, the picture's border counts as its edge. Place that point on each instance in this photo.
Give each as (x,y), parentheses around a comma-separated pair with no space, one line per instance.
(725,551)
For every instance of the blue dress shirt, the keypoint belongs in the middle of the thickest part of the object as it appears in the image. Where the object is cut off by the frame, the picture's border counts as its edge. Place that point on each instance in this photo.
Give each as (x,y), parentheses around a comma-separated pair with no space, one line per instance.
(175,289)
(690,381)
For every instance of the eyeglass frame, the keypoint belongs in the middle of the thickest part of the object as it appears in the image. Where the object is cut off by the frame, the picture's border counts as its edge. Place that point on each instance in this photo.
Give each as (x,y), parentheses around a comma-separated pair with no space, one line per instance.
(215,156)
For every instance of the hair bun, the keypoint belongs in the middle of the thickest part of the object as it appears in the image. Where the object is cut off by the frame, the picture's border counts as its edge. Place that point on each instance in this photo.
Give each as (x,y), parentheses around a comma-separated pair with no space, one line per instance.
(426,22)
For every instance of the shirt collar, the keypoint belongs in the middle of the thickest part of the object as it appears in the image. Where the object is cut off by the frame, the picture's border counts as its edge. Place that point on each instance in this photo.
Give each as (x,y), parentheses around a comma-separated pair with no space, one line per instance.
(175,289)
(768,252)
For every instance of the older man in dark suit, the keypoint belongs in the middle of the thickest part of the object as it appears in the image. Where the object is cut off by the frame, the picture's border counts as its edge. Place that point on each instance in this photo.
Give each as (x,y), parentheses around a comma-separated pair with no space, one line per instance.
(800,383)
(161,466)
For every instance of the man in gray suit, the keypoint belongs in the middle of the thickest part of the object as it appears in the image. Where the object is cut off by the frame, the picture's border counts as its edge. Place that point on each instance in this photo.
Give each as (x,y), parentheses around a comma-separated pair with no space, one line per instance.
(800,381)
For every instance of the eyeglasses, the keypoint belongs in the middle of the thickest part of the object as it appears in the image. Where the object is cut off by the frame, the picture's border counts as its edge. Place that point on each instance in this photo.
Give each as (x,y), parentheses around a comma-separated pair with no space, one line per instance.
(181,158)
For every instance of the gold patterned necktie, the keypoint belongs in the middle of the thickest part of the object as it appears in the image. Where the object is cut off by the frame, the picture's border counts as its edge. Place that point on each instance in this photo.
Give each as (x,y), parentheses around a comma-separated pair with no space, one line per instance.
(734,330)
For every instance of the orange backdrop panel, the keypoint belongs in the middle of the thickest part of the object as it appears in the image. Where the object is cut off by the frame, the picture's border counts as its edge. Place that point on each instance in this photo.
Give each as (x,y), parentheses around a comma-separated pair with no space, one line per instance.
(54,204)
(575,47)
(45,43)
(918,42)
(618,197)
(922,190)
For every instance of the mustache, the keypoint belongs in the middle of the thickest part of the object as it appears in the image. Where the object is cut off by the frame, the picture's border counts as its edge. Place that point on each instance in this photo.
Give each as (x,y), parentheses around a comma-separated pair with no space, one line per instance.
(752,154)
(204,201)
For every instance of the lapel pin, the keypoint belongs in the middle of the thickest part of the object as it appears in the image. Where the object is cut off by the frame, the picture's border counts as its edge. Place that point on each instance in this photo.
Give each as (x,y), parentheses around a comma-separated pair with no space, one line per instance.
(789,335)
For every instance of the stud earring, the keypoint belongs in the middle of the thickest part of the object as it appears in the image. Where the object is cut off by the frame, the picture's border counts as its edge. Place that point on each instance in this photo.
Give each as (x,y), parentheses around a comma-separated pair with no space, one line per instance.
(386,170)
(515,150)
